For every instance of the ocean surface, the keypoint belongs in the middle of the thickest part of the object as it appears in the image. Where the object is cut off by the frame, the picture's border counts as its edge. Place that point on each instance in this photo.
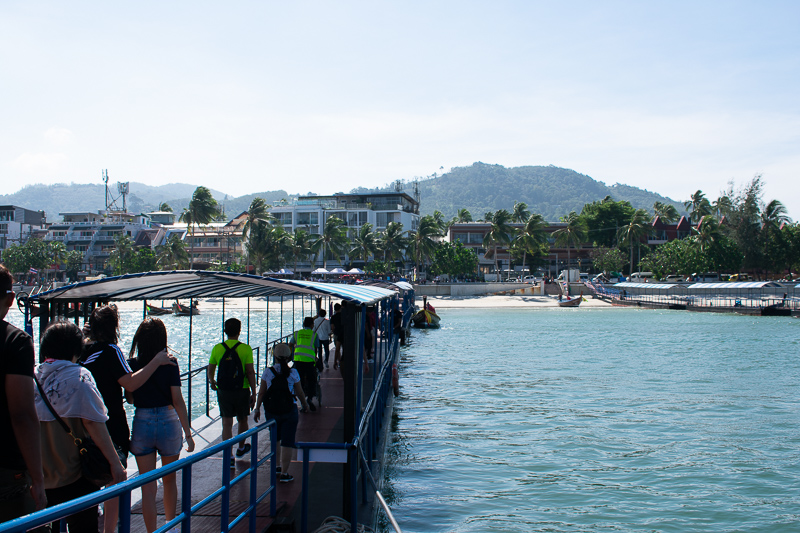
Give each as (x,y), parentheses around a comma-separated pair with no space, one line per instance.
(565,420)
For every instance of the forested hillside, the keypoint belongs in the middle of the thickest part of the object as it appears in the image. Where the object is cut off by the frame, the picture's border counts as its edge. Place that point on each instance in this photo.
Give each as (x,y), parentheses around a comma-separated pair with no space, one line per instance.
(73,197)
(551,191)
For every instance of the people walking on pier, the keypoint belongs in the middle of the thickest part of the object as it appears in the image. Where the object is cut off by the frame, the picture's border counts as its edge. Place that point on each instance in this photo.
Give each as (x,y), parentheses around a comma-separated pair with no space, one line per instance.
(279,386)
(305,343)
(235,382)
(337,329)
(112,373)
(21,479)
(159,417)
(70,407)
(322,326)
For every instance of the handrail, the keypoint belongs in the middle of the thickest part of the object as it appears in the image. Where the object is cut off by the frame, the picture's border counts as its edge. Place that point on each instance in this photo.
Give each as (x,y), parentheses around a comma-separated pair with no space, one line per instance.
(378,494)
(123,490)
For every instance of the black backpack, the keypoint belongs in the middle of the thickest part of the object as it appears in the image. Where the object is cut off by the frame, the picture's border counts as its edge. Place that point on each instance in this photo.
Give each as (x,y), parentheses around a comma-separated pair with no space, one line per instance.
(279,399)
(230,374)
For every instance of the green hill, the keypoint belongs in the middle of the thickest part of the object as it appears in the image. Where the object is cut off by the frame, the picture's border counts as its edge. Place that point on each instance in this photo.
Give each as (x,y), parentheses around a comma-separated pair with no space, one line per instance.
(551,191)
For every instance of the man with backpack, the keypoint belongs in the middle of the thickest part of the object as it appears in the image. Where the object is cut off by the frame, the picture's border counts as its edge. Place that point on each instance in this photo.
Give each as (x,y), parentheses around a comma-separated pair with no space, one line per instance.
(235,382)
(279,385)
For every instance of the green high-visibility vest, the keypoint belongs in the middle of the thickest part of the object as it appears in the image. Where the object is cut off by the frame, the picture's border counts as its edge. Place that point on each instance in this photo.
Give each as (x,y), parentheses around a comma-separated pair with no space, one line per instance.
(304,349)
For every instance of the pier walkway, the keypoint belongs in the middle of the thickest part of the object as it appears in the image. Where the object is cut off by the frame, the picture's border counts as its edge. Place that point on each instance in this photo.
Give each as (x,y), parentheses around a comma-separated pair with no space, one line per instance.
(325,479)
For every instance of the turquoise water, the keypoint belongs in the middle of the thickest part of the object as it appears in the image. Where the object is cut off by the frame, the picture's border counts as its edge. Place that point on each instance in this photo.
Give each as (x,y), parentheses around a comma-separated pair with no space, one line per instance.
(206,332)
(598,420)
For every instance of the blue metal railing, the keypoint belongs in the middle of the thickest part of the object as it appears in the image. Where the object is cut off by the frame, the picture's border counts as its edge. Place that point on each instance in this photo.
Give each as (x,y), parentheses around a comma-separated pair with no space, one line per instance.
(184,518)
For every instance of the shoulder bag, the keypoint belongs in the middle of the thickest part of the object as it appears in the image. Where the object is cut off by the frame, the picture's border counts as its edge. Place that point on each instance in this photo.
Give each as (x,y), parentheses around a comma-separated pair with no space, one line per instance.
(94,465)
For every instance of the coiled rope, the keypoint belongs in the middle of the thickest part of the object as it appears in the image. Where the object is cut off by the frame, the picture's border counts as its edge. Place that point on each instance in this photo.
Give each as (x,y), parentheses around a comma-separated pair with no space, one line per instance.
(335,524)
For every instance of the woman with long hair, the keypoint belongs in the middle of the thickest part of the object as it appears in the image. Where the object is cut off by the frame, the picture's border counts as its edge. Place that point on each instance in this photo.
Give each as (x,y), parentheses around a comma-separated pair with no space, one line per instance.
(73,395)
(111,373)
(159,417)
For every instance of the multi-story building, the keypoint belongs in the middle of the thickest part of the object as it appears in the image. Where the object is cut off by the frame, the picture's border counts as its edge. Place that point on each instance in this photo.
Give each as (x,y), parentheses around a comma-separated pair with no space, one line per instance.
(18,224)
(212,244)
(471,234)
(379,209)
(93,234)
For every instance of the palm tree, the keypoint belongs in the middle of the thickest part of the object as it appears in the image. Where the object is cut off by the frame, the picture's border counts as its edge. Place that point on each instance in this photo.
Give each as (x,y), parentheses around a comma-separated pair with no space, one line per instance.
(773,215)
(574,233)
(499,233)
(441,223)
(172,255)
(333,239)
(258,211)
(531,234)
(164,206)
(722,206)
(707,232)
(666,212)
(422,242)
(267,245)
(634,230)
(698,205)
(463,216)
(365,243)
(487,216)
(202,210)
(299,246)
(392,242)
(520,214)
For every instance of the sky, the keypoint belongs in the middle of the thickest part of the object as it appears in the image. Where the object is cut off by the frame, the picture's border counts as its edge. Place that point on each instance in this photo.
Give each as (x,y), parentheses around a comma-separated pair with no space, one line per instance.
(320,96)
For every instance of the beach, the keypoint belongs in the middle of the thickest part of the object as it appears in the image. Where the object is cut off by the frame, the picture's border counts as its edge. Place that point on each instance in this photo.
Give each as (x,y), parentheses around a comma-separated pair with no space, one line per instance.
(502,301)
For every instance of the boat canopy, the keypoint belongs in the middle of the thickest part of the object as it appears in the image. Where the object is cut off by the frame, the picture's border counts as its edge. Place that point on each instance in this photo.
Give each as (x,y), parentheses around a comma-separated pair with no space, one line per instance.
(653,286)
(737,285)
(206,284)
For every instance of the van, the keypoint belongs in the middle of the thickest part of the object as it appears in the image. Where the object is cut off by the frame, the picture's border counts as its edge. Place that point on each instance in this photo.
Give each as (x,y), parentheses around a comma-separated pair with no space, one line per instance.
(708,277)
(641,277)
(532,279)
(675,278)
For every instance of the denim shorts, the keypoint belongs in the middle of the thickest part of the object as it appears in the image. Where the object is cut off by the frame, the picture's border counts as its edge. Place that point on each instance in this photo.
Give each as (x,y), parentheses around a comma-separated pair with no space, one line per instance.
(156,429)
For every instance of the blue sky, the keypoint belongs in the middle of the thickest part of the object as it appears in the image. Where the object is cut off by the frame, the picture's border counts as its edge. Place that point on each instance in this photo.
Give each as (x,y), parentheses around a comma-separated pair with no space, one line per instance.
(326,96)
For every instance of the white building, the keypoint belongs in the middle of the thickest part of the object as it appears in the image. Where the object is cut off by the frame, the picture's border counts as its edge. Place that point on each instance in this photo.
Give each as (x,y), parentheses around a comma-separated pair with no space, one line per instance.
(93,234)
(17,224)
(378,209)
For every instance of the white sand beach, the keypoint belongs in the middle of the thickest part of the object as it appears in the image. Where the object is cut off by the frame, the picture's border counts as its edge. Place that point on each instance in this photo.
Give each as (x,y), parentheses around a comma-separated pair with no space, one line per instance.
(497,301)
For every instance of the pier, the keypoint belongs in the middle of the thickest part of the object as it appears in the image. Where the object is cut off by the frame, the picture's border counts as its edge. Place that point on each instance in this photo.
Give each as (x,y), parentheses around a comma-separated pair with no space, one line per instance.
(339,466)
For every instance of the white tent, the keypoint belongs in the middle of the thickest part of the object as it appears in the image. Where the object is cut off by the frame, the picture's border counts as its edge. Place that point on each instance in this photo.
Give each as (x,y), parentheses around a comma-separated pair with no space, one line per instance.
(284,272)
(338,270)
(355,271)
(321,271)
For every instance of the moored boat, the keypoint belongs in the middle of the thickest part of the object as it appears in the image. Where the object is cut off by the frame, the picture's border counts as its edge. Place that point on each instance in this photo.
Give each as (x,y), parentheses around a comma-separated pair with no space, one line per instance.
(425,317)
(570,302)
(153,310)
(184,310)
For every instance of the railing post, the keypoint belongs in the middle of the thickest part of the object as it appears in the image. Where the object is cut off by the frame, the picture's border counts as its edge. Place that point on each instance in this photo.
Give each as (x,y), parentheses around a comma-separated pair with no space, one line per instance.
(125,512)
(304,519)
(273,479)
(186,498)
(225,507)
(253,481)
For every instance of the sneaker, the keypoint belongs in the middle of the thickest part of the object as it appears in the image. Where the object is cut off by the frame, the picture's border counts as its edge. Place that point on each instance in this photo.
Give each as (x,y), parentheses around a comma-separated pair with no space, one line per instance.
(241,451)
(285,478)
(311,405)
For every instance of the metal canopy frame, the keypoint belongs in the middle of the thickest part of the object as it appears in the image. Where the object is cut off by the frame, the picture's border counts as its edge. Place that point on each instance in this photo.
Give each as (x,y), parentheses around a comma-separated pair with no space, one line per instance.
(206,284)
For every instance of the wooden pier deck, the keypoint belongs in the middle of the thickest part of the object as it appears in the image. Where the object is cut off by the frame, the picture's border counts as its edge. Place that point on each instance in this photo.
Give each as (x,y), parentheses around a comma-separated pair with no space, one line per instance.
(325,479)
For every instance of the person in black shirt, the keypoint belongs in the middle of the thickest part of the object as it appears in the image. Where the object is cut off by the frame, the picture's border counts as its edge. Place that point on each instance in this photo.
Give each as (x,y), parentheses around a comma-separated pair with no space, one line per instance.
(160,415)
(21,478)
(112,373)
(338,330)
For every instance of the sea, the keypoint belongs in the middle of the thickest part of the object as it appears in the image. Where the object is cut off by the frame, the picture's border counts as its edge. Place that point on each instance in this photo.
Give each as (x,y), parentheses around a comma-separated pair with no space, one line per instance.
(573,420)
(598,419)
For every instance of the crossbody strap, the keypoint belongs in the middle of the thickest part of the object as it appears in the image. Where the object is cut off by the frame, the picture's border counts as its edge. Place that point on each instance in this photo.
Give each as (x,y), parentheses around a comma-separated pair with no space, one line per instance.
(63,424)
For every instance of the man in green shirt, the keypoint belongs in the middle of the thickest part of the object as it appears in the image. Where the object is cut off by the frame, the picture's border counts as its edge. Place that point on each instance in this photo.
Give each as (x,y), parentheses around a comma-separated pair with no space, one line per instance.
(235,382)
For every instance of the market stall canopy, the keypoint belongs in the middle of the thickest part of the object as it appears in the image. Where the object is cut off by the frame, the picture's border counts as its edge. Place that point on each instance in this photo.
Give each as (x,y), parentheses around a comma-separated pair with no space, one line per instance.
(355,271)
(321,271)
(205,284)
(338,270)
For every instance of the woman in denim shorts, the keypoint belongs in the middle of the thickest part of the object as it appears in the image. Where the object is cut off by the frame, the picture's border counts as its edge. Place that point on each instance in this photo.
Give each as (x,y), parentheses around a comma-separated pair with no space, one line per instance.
(158,420)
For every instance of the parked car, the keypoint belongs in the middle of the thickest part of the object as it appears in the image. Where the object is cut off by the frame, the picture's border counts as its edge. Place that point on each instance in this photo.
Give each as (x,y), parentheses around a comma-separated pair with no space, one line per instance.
(675,278)
(533,279)
(641,277)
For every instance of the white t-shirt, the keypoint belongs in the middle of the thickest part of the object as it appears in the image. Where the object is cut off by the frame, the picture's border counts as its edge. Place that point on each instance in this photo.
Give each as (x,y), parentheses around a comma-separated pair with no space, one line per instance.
(323,328)
(267,376)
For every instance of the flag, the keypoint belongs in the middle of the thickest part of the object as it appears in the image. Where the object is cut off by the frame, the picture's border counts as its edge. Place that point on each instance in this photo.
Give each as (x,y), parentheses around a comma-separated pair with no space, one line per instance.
(33,270)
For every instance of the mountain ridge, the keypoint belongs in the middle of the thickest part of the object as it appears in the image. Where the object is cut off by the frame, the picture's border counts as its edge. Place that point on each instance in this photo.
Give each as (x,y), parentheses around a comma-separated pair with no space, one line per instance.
(548,190)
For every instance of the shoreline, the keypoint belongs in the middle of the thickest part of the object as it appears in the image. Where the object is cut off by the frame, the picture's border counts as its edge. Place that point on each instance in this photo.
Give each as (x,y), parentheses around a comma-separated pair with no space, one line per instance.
(503,301)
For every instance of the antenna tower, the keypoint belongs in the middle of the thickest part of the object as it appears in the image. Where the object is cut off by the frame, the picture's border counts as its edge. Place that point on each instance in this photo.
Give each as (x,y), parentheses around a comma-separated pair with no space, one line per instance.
(124,189)
(105,181)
